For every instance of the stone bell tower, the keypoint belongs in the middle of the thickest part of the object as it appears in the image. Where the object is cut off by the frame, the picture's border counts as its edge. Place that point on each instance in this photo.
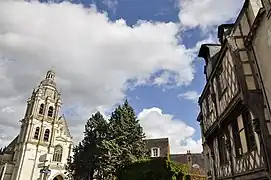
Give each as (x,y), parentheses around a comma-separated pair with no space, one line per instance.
(38,128)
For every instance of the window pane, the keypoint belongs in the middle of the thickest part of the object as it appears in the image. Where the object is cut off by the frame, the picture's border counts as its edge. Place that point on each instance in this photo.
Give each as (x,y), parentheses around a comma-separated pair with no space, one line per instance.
(243,141)
(240,122)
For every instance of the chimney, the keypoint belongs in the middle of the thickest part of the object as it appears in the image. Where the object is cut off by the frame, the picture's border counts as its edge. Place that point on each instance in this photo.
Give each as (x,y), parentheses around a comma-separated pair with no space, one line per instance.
(189,161)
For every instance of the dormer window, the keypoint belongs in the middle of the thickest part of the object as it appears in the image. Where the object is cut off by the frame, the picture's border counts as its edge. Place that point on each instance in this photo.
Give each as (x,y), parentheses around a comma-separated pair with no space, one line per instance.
(50,111)
(41,110)
(46,135)
(155,152)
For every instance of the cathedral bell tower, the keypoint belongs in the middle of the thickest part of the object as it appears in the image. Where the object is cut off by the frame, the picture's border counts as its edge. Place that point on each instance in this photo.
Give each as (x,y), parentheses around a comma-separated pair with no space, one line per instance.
(38,127)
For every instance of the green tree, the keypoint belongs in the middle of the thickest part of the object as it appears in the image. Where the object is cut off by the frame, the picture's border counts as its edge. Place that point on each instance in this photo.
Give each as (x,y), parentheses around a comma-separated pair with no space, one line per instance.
(126,137)
(75,165)
(91,155)
(151,169)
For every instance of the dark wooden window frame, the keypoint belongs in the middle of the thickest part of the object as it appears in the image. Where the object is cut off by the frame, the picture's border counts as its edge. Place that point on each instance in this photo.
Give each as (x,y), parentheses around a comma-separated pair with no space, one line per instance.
(251,142)
(222,147)
(249,134)
(220,81)
(209,104)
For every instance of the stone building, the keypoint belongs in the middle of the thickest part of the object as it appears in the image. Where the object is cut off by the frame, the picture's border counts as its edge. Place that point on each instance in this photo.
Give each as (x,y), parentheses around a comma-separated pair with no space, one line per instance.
(194,161)
(235,113)
(160,148)
(44,143)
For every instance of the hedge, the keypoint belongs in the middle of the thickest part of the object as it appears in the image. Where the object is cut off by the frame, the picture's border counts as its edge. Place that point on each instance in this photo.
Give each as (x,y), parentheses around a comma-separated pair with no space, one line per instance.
(151,169)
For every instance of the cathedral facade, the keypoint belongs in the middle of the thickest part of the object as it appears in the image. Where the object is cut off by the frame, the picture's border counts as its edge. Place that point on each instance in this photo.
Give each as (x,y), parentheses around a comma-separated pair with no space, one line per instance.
(44,143)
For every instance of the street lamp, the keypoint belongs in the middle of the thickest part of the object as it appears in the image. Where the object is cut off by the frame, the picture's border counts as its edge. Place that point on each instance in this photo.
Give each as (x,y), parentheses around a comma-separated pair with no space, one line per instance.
(45,172)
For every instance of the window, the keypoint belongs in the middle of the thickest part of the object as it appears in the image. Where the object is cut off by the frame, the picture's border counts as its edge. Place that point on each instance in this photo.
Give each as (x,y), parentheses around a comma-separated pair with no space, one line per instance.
(208,104)
(41,109)
(58,153)
(222,146)
(249,129)
(155,152)
(36,135)
(221,81)
(50,111)
(244,136)
(46,135)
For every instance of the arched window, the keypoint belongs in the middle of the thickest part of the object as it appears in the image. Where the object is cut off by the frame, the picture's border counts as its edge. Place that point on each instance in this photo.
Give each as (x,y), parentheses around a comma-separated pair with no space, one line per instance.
(36,135)
(46,135)
(50,111)
(58,153)
(41,109)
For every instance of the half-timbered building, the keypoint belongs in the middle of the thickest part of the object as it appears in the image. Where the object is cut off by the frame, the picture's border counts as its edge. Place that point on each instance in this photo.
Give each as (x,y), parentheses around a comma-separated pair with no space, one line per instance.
(236,140)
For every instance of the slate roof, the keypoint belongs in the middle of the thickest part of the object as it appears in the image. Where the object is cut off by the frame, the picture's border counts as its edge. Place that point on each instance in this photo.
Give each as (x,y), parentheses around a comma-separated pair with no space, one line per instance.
(11,147)
(65,124)
(162,143)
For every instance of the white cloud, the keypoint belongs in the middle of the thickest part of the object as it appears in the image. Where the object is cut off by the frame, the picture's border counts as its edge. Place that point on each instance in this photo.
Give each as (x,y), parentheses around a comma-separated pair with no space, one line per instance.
(189,95)
(93,57)
(159,125)
(206,13)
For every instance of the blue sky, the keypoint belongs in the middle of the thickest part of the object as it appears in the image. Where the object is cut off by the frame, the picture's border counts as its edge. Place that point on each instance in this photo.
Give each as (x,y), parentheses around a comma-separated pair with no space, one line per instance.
(104,51)
(153,96)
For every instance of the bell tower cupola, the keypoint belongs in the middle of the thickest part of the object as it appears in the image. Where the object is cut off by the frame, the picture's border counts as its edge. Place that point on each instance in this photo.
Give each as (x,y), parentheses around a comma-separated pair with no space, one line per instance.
(45,101)
(49,79)
(39,128)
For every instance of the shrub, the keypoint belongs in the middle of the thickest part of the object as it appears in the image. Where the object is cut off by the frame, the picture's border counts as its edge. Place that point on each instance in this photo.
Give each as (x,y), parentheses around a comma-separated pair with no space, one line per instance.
(151,169)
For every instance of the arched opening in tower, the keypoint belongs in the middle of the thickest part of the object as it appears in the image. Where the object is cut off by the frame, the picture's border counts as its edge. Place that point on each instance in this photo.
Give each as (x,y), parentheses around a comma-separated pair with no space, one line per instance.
(58,178)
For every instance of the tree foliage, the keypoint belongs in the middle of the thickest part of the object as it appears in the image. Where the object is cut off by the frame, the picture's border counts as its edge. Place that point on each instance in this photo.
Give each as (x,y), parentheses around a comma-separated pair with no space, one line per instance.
(127,135)
(76,165)
(151,169)
(108,146)
(90,155)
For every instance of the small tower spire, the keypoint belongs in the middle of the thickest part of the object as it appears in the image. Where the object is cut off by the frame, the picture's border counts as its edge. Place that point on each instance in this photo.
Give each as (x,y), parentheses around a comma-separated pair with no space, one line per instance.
(50,74)
(49,78)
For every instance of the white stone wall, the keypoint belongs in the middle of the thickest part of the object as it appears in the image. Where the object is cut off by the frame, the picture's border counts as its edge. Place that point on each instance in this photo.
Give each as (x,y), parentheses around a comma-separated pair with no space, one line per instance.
(29,151)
